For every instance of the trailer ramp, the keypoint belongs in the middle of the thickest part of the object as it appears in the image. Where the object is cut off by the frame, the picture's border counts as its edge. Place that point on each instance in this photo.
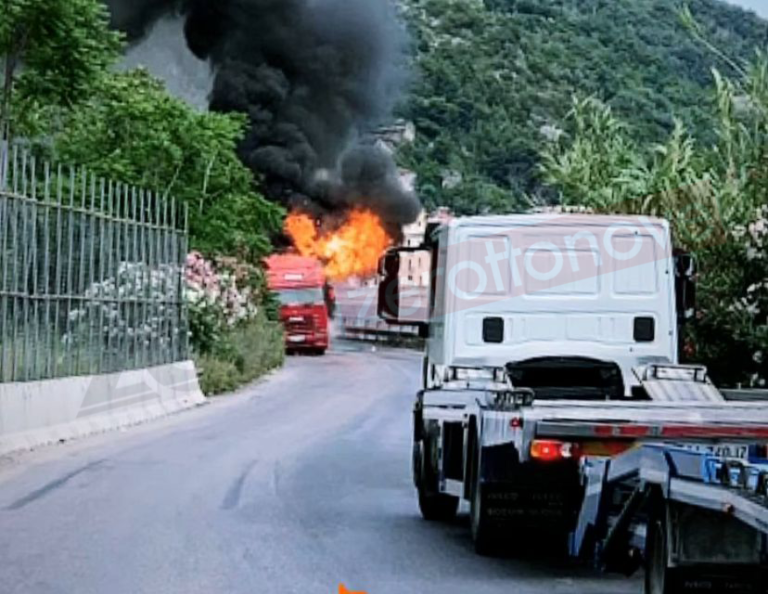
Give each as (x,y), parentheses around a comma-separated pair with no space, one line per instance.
(678,383)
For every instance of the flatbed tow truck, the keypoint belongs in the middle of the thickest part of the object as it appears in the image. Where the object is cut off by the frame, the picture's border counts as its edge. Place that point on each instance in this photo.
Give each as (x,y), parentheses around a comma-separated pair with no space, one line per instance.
(564,410)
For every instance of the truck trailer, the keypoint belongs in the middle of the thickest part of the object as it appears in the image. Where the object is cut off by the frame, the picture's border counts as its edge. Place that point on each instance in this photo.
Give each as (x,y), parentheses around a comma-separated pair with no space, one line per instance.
(553,400)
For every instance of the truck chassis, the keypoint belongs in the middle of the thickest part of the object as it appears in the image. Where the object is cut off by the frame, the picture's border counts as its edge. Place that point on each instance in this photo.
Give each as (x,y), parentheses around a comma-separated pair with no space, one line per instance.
(625,484)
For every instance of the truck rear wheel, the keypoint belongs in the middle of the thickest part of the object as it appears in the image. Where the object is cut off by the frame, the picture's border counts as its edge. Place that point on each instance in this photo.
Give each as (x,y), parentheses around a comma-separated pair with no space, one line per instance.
(660,578)
(438,507)
(484,533)
(658,575)
(434,506)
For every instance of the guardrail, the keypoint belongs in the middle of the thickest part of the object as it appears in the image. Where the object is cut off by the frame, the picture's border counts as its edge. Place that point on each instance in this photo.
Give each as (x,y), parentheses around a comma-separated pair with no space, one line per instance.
(378,331)
(746,395)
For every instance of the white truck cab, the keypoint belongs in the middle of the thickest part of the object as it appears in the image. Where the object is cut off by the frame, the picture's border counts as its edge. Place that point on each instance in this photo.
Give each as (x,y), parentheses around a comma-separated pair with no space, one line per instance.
(532,288)
(553,402)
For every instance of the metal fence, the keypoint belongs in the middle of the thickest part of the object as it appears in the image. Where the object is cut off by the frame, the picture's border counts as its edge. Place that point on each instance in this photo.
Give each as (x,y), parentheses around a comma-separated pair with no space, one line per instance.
(90,273)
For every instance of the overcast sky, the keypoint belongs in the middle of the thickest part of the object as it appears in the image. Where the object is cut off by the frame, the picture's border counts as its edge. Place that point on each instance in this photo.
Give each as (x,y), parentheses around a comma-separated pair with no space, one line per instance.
(759,6)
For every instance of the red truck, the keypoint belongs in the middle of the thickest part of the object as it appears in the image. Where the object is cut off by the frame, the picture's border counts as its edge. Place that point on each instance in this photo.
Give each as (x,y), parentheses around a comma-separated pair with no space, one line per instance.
(301,286)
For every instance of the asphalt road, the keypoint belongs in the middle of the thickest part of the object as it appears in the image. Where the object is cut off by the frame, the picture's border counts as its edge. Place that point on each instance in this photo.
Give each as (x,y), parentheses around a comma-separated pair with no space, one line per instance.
(296,485)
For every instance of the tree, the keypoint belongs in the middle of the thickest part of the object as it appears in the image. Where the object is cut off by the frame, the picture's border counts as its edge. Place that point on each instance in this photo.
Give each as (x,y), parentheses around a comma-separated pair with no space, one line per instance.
(132,130)
(68,102)
(64,46)
(716,196)
(495,77)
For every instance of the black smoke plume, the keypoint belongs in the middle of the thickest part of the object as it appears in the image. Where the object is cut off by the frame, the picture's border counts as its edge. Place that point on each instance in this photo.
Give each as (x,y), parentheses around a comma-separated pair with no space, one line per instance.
(313,76)
(134,17)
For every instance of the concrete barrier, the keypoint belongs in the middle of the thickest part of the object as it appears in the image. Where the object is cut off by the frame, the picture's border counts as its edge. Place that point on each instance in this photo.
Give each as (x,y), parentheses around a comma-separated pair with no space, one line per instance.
(33,414)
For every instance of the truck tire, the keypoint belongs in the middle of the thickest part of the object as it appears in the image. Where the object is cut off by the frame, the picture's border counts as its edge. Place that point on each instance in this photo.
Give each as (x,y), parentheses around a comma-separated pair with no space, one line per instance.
(434,506)
(658,574)
(438,507)
(660,578)
(484,534)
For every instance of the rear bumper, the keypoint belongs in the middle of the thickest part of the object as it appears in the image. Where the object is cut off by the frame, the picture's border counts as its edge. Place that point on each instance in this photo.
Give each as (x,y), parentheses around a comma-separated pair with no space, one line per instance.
(541,506)
(541,495)
(305,342)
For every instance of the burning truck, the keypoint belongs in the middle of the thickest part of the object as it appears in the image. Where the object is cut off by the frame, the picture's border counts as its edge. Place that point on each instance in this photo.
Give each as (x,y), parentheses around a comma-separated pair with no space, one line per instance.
(349,247)
(300,285)
(327,250)
(318,81)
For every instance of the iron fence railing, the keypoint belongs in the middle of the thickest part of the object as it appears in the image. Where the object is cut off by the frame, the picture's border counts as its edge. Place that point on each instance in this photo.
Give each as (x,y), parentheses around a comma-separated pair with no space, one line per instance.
(90,273)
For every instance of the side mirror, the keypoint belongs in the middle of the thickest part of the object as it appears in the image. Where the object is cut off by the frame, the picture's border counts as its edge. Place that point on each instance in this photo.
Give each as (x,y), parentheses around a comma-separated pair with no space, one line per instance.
(685,286)
(398,304)
(389,287)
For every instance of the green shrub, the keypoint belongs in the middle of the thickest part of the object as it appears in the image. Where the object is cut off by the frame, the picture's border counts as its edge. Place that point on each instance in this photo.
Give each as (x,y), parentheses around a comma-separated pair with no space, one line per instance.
(244,354)
(217,375)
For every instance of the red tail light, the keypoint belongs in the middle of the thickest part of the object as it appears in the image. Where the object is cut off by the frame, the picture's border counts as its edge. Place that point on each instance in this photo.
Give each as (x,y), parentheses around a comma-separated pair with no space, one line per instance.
(546,450)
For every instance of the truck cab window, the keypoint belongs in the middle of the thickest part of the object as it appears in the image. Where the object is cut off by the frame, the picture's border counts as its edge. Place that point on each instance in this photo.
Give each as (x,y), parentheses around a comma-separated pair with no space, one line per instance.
(301,296)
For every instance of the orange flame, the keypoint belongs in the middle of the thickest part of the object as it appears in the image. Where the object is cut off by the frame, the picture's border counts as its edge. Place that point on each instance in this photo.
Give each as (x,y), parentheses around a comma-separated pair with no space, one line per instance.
(353,249)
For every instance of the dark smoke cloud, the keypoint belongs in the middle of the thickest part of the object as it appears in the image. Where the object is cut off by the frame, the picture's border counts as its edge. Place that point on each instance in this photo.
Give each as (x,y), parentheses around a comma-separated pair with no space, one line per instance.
(370,178)
(313,76)
(135,16)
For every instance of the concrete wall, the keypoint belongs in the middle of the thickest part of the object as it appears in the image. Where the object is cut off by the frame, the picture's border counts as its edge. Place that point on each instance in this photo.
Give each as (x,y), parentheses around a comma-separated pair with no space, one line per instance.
(39,413)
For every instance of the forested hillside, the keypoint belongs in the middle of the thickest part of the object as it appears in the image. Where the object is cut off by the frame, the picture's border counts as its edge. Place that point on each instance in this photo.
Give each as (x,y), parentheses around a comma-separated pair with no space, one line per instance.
(495,78)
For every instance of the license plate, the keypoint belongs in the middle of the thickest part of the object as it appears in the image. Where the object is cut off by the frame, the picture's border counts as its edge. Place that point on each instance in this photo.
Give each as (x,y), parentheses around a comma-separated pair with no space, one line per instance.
(295,319)
(720,450)
(297,339)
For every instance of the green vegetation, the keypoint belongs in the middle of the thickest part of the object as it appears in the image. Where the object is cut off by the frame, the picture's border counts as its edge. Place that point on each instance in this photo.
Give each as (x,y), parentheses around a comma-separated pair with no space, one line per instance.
(714,192)
(69,102)
(132,130)
(247,353)
(498,127)
(63,97)
(613,105)
(52,54)
(495,80)
(233,323)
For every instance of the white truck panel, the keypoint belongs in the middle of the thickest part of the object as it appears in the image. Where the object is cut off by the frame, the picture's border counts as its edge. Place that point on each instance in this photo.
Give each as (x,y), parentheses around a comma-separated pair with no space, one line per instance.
(502,267)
